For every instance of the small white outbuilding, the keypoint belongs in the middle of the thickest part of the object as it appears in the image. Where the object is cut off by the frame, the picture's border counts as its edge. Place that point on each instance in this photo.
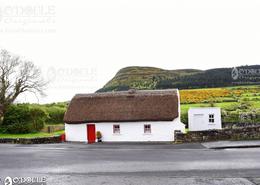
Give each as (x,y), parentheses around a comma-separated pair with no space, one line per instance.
(204,118)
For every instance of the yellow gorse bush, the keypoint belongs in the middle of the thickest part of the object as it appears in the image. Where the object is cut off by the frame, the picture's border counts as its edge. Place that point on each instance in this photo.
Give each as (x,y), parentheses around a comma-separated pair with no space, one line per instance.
(206,95)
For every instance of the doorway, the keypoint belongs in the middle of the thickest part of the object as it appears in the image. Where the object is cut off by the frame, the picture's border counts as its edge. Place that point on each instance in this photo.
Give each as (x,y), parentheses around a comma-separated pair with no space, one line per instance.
(91,133)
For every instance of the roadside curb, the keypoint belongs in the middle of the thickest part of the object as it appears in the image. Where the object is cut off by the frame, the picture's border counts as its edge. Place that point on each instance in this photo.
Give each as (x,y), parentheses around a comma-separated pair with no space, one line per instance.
(238,146)
(232,144)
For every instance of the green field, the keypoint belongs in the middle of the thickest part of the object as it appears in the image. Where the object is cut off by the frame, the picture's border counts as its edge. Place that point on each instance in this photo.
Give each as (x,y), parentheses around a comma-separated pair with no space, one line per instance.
(233,102)
(31,135)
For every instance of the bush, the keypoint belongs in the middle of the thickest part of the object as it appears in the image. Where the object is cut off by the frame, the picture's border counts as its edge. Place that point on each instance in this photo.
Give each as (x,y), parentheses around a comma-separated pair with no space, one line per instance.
(17,114)
(18,128)
(98,135)
(55,114)
(38,117)
(21,119)
(184,119)
(231,117)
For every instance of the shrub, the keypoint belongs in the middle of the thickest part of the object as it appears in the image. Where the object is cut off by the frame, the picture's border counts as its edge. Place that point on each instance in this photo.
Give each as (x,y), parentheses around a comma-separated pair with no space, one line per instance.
(55,114)
(99,135)
(18,128)
(17,114)
(184,119)
(23,119)
(245,105)
(38,117)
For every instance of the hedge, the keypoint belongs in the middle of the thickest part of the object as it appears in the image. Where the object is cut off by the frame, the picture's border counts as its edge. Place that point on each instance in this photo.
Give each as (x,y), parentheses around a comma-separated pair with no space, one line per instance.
(21,118)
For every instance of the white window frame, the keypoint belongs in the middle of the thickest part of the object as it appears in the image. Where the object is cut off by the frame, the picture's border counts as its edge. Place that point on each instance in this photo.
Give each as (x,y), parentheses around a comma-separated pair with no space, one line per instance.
(147,130)
(116,130)
(211,118)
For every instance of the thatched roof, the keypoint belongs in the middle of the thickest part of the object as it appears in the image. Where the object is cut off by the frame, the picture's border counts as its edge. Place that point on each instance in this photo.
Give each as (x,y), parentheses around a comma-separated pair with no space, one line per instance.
(132,105)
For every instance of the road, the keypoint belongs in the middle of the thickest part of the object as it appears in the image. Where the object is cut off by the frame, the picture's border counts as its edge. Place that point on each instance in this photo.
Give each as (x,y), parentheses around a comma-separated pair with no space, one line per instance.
(142,164)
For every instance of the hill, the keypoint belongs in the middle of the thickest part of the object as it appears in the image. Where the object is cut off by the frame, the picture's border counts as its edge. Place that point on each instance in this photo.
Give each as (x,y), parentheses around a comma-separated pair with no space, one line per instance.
(155,78)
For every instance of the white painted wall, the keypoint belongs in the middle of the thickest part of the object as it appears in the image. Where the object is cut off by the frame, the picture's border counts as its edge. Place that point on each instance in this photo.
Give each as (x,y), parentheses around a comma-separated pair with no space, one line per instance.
(134,131)
(129,131)
(199,118)
(76,132)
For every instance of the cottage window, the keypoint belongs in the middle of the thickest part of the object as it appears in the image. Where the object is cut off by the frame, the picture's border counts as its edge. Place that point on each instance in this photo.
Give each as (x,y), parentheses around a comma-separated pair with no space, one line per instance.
(147,129)
(211,118)
(116,129)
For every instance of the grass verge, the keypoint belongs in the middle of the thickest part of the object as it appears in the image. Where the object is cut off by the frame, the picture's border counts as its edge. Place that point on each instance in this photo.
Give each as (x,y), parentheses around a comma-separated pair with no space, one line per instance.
(31,135)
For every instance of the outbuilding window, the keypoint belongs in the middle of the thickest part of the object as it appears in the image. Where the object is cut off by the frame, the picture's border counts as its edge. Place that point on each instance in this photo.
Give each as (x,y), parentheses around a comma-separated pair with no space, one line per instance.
(211,118)
(147,129)
(116,129)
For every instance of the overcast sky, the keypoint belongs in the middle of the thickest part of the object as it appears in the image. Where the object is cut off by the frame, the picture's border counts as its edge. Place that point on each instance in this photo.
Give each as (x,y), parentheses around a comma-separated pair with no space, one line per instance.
(80,45)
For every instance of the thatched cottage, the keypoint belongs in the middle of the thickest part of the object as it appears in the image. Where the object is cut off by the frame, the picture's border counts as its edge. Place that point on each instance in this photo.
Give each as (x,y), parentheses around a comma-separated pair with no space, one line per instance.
(134,115)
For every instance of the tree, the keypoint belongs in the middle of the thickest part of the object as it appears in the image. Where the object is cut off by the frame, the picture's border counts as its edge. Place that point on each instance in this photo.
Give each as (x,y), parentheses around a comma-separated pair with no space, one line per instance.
(17,76)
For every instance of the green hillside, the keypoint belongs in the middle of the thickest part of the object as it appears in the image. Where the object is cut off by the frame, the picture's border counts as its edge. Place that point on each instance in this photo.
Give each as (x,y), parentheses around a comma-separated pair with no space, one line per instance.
(200,88)
(156,78)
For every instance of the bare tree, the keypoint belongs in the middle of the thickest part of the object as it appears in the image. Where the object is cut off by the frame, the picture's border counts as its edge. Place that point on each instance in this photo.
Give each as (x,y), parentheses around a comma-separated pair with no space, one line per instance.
(16,77)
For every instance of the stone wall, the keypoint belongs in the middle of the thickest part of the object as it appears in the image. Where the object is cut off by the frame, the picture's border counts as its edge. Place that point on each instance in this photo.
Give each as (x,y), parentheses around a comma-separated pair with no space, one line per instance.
(42,140)
(248,133)
(53,128)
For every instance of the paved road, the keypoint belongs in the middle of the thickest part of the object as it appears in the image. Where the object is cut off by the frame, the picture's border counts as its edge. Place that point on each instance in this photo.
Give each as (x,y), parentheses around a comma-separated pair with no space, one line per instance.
(141,164)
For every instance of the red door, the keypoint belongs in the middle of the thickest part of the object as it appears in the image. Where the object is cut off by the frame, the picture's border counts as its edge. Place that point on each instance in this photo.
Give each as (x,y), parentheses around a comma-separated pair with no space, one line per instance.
(91,131)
